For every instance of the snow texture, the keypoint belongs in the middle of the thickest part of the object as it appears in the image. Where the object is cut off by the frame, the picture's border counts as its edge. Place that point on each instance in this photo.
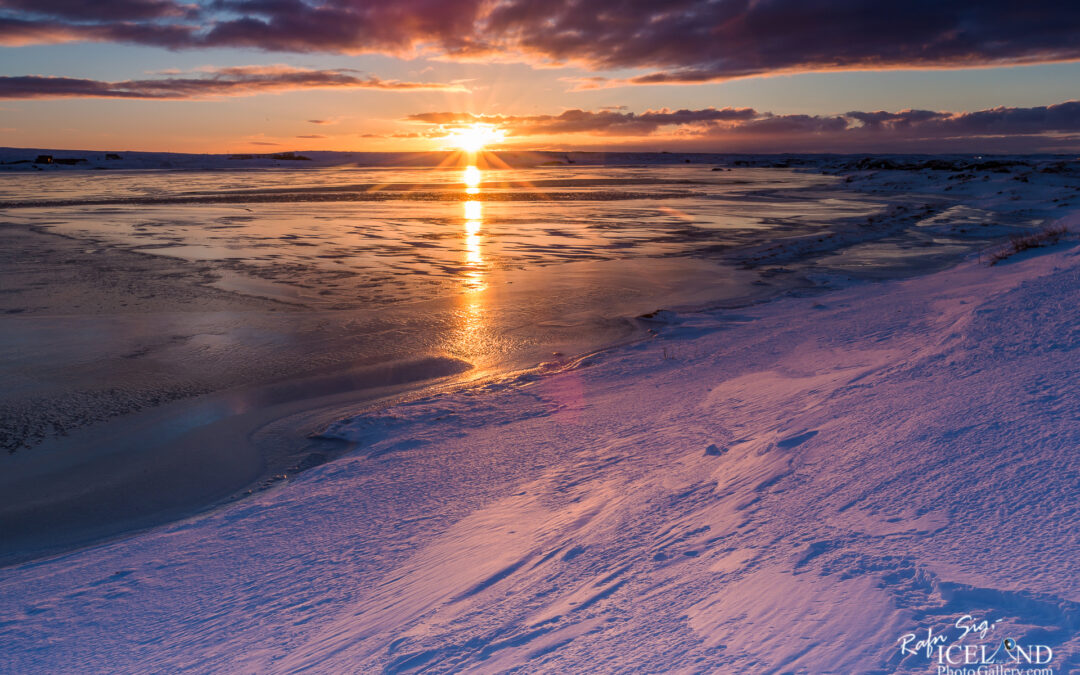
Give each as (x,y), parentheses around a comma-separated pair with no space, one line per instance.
(789,487)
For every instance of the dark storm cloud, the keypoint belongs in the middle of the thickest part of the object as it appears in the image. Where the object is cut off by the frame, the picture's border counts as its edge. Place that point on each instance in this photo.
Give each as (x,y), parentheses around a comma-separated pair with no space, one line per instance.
(681,41)
(236,81)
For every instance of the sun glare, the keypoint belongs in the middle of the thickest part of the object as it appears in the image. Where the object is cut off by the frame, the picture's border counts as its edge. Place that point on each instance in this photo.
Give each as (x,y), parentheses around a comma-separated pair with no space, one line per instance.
(476,137)
(471,178)
(474,212)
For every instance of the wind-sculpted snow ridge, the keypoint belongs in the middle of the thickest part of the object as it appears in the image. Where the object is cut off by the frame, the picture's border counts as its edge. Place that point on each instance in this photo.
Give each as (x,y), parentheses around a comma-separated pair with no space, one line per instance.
(791,487)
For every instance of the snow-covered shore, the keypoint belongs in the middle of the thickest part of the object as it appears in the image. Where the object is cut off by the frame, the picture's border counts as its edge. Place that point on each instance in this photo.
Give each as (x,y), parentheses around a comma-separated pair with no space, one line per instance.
(790,487)
(67,159)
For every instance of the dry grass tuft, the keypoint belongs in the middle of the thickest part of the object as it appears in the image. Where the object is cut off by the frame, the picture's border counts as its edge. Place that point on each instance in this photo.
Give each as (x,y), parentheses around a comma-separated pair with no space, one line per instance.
(1045,237)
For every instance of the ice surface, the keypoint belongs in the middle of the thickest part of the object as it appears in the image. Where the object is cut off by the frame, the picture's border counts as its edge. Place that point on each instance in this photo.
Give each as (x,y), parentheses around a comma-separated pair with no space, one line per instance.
(785,487)
(897,455)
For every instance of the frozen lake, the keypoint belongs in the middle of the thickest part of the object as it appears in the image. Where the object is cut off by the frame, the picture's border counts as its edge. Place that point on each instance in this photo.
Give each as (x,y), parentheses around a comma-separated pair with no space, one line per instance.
(206,322)
(507,253)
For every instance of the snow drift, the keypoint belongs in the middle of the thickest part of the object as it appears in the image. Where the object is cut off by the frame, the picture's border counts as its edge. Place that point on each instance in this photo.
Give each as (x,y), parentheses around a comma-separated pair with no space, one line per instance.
(791,487)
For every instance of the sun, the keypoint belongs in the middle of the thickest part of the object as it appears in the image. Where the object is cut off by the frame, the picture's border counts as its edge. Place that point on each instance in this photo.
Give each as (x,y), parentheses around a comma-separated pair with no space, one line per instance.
(475,137)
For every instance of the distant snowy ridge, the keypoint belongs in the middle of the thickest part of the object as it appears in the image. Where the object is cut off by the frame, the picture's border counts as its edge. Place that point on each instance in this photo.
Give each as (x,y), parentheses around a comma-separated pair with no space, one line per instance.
(59,159)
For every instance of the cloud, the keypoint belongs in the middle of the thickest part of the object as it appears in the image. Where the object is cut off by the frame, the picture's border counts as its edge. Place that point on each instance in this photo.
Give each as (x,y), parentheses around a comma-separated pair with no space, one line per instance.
(347,26)
(604,122)
(700,40)
(233,81)
(113,10)
(16,32)
(786,125)
(745,129)
(312,136)
(1063,117)
(679,41)
(901,120)
(338,119)
(343,25)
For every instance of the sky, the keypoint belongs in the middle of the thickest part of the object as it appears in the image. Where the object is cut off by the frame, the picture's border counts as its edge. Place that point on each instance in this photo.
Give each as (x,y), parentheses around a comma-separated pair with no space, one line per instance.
(681,75)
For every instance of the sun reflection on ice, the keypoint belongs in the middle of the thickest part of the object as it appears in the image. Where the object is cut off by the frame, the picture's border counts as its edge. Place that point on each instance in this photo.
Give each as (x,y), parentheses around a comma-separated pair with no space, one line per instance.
(473,215)
(472,304)
(474,257)
(471,178)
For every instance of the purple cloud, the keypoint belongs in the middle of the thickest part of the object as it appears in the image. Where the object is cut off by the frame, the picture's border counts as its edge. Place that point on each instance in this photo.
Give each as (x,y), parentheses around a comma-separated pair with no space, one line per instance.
(16,32)
(698,41)
(1012,129)
(786,125)
(681,41)
(1063,117)
(342,25)
(234,81)
(607,122)
(900,120)
(113,10)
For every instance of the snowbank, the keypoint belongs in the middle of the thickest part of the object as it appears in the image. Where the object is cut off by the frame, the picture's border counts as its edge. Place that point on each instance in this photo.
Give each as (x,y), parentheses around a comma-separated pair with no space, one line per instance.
(792,487)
